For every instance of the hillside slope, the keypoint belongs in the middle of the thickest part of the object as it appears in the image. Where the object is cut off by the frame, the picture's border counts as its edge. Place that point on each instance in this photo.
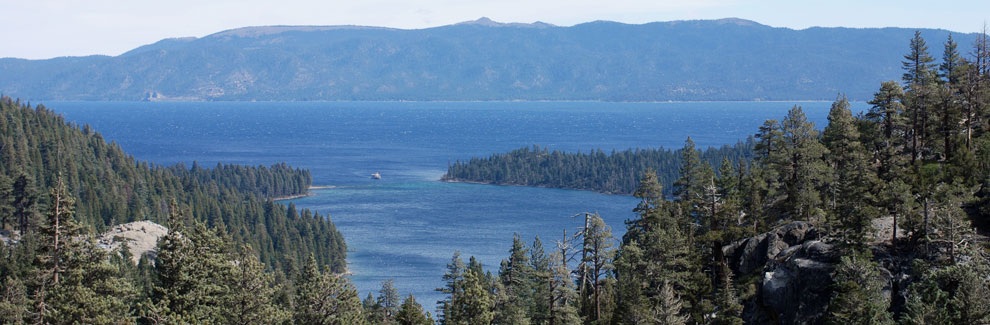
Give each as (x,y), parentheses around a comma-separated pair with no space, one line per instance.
(111,187)
(727,59)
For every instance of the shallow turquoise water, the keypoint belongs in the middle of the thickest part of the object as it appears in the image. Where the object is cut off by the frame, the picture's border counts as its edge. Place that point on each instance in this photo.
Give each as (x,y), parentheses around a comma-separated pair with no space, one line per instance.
(407,225)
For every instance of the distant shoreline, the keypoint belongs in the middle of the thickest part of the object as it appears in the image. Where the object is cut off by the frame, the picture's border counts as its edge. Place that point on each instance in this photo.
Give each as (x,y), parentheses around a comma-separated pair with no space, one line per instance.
(299,196)
(200,100)
(454,180)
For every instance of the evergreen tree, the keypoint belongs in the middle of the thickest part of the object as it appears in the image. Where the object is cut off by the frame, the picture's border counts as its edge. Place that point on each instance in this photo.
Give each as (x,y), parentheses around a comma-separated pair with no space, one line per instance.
(721,219)
(956,294)
(75,282)
(91,290)
(655,252)
(765,183)
(250,301)
(6,202)
(453,284)
(852,185)
(563,294)
(951,62)
(951,222)
(895,195)
(371,309)
(26,198)
(326,298)
(515,276)
(541,281)
(388,302)
(57,243)
(804,169)
(688,187)
(411,313)
(668,309)
(193,269)
(727,306)
(472,305)
(919,75)
(858,297)
(15,303)
(596,264)
(918,64)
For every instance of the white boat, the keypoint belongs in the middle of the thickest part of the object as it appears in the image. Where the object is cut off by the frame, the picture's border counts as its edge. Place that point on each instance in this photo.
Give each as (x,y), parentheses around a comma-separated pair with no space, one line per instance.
(376,176)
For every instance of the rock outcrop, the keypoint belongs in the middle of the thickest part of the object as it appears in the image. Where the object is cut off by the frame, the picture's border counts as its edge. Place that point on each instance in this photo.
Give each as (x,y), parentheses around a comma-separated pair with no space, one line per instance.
(794,271)
(141,237)
(793,267)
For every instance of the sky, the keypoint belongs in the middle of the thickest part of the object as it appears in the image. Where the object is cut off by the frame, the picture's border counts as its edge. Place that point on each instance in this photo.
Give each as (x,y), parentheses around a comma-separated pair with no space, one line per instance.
(40,29)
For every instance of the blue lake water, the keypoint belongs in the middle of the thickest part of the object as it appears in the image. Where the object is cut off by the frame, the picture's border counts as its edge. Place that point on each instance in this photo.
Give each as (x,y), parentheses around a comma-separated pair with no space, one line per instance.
(407,225)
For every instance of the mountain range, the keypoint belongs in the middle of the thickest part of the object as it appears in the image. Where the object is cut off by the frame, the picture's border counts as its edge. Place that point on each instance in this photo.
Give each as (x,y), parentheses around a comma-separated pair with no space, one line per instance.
(725,59)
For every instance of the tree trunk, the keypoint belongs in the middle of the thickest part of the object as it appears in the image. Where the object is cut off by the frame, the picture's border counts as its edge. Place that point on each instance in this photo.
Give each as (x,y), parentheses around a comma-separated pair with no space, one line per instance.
(925,232)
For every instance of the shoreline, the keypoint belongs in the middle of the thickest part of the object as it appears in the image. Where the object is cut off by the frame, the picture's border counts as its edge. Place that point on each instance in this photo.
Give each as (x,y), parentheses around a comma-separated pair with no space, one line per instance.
(308,193)
(456,180)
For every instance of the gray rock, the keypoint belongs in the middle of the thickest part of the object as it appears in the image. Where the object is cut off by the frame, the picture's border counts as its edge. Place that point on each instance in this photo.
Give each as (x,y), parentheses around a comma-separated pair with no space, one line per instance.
(748,255)
(797,284)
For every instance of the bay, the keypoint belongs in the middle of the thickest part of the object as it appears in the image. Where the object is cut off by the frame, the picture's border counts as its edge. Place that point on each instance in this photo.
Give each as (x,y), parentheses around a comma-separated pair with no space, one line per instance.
(407,225)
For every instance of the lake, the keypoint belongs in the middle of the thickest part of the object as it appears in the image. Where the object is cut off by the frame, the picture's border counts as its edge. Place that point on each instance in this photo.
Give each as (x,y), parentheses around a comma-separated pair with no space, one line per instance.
(407,225)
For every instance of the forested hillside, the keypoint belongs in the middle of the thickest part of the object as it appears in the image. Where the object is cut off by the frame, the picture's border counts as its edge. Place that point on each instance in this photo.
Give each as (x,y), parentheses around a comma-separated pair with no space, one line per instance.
(231,255)
(878,219)
(725,59)
(615,172)
(111,187)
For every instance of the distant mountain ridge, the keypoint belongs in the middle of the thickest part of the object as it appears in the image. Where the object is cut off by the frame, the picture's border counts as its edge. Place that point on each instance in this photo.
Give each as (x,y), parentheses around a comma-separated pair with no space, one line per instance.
(725,59)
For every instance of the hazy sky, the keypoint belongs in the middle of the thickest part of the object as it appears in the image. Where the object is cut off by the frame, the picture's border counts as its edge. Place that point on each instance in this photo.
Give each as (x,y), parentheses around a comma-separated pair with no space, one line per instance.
(49,28)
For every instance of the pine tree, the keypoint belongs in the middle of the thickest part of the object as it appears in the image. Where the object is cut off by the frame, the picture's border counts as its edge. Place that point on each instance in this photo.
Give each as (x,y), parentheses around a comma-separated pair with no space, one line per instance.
(688,187)
(919,75)
(250,301)
(918,64)
(515,276)
(541,281)
(76,282)
(26,198)
(852,185)
(193,268)
(91,290)
(727,306)
(655,252)
(371,309)
(951,62)
(14,301)
(453,284)
(858,297)
(596,264)
(411,313)
(951,98)
(720,223)
(765,183)
(804,169)
(58,235)
(956,294)
(951,222)
(895,195)
(325,298)
(388,302)
(668,309)
(563,294)
(6,202)
(473,305)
